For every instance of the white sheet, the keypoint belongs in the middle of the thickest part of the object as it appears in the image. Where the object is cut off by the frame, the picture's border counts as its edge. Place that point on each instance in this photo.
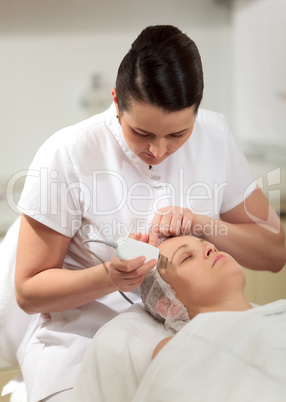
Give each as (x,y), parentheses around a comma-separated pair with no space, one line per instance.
(218,357)
(222,357)
(118,357)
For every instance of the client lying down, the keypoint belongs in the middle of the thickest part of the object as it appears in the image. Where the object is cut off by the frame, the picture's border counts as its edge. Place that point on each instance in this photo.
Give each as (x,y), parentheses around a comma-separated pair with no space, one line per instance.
(197,279)
(214,345)
(226,349)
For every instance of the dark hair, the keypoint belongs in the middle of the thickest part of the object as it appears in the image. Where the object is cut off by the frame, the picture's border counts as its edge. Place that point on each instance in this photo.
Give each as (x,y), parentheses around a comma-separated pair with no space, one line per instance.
(163,67)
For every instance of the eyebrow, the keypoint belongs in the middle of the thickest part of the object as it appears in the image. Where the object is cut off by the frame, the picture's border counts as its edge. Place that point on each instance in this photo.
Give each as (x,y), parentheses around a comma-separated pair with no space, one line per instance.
(178,249)
(184,246)
(147,132)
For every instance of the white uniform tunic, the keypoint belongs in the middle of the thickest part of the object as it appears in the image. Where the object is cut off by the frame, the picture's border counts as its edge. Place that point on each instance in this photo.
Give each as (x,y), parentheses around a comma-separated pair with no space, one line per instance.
(84,182)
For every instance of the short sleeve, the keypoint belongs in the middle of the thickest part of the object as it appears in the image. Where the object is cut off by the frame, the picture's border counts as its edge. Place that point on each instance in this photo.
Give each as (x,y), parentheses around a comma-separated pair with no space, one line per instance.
(52,193)
(240,181)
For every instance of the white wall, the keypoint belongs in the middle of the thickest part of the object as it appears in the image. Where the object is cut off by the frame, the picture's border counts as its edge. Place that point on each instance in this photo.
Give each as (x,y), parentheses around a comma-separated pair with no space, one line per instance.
(49,52)
(259,48)
(259,91)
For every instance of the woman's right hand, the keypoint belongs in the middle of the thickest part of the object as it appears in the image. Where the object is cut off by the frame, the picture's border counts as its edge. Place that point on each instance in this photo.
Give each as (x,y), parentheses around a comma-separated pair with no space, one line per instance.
(128,275)
(42,286)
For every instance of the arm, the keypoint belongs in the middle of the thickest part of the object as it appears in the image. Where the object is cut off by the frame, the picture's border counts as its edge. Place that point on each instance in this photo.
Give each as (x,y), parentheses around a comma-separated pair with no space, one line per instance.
(255,236)
(160,346)
(43,286)
(251,232)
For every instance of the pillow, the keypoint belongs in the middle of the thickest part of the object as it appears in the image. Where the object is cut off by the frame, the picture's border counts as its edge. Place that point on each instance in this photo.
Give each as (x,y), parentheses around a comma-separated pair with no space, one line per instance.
(13,320)
(118,357)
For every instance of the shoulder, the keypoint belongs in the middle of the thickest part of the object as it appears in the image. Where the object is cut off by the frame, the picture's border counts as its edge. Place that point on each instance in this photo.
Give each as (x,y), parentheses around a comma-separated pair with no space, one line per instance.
(96,125)
(211,132)
(209,120)
(160,345)
(96,130)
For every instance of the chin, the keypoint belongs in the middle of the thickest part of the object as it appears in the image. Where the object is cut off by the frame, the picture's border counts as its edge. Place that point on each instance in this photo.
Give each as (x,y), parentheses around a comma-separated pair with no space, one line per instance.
(152,161)
(155,162)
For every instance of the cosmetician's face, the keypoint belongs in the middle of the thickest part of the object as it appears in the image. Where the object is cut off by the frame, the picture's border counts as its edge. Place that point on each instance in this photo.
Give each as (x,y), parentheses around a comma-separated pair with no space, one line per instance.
(202,277)
(154,134)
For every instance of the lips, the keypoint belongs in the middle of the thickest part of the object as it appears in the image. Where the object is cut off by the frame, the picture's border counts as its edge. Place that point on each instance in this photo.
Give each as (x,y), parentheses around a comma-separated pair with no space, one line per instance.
(149,155)
(218,257)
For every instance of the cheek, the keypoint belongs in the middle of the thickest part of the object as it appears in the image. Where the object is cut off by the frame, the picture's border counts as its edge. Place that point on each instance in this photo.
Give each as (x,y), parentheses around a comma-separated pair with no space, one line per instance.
(196,289)
(173,146)
(134,143)
(182,286)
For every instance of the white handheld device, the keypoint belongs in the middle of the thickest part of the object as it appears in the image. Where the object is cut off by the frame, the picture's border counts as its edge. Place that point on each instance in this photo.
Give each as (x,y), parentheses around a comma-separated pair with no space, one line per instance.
(127,249)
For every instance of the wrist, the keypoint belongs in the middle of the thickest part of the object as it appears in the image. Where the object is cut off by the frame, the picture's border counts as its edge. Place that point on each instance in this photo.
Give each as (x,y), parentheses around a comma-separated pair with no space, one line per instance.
(101,279)
(209,228)
(110,284)
(202,226)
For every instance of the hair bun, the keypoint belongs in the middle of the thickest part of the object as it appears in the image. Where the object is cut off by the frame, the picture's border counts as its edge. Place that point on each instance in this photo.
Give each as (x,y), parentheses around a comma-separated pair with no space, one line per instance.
(154,35)
(139,47)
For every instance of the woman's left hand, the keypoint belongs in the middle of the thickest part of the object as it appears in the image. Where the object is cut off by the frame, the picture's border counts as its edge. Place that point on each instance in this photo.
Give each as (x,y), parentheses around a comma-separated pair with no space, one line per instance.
(171,221)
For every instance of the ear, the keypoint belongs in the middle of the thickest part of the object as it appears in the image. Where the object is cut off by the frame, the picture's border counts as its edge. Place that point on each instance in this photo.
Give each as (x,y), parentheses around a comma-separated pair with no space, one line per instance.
(162,307)
(114,97)
(175,310)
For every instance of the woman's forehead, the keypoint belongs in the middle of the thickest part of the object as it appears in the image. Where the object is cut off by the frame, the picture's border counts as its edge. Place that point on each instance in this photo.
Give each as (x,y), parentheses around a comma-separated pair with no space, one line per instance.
(170,245)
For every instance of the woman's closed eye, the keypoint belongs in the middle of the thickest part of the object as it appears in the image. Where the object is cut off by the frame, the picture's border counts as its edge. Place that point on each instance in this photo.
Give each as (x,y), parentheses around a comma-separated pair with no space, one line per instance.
(187,257)
(142,135)
(149,135)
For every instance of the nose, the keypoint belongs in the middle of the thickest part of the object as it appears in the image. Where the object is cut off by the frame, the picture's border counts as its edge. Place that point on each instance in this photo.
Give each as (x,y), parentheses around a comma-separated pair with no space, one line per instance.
(158,148)
(209,249)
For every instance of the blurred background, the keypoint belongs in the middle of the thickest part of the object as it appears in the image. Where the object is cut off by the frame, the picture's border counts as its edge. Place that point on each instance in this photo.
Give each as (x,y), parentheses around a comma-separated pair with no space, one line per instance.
(59,61)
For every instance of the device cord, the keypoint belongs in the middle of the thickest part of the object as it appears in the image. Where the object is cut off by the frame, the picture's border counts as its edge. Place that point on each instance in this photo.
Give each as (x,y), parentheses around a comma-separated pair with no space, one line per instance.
(110,244)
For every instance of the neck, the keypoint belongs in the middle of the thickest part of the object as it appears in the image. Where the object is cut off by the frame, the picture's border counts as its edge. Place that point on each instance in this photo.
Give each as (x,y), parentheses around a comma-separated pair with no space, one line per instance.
(233,304)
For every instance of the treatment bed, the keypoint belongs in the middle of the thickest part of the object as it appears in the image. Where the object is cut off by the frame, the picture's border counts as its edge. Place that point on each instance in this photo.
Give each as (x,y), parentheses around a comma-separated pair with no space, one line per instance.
(221,356)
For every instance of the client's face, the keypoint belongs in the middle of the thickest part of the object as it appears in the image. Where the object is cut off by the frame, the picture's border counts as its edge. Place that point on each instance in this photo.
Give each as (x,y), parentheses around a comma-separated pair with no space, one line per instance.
(201,276)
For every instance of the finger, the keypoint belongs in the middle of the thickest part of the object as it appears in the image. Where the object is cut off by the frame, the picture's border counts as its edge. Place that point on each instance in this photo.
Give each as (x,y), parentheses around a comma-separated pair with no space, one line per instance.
(171,225)
(154,230)
(134,278)
(126,265)
(171,221)
(146,267)
(145,238)
(140,237)
(124,282)
(165,225)
(135,236)
(169,210)
(142,270)
(187,223)
(128,287)
(176,225)
(125,279)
